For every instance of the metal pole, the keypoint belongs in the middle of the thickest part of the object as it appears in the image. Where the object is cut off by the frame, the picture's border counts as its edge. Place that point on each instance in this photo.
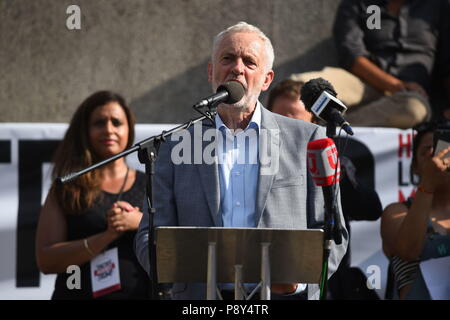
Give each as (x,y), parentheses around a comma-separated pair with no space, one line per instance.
(238,282)
(265,271)
(212,276)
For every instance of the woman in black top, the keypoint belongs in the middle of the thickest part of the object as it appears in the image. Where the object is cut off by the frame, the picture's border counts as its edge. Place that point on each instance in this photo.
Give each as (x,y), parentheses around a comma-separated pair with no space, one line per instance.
(91,222)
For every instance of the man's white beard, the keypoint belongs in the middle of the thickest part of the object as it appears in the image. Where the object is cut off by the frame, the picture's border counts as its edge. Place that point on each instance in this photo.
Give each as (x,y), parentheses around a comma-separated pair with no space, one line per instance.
(247,101)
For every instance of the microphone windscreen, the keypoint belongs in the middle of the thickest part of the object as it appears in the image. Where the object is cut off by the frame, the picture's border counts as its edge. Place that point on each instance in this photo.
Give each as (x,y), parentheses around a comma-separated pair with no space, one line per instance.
(312,89)
(323,162)
(235,91)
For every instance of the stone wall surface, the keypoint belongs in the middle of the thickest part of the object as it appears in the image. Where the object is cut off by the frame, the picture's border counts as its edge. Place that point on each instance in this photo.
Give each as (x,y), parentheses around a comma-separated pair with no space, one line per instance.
(154,52)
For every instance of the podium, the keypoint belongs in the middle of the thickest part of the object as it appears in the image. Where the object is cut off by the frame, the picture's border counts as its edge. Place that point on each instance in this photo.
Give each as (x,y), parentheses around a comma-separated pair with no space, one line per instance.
(238,255)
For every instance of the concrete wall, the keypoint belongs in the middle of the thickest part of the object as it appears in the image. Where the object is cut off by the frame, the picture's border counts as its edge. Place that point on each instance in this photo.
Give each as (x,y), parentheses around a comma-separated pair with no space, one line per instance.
(154,52)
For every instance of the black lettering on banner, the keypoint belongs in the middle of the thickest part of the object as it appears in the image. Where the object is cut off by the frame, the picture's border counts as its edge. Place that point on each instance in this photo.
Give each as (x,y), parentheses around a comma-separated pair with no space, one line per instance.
(5,151)
(32,154)
(400,176)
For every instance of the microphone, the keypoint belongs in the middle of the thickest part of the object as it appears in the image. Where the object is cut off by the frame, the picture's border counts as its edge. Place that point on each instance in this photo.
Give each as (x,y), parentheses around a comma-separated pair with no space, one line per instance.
(324,167)
(229,93)
(319,97)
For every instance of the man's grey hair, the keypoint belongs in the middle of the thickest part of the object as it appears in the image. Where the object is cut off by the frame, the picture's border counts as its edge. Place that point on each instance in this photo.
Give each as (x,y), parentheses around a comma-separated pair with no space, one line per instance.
(244,27)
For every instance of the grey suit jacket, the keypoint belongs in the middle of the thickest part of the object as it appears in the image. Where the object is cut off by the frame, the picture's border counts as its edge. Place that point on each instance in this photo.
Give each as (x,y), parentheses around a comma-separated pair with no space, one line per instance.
(189,194)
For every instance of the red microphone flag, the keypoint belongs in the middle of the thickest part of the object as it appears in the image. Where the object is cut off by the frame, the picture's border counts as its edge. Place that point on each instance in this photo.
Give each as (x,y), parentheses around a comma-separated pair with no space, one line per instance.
(323,162)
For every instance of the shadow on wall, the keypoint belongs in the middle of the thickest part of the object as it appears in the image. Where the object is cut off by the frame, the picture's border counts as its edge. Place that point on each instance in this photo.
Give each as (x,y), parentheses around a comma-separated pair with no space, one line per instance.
(314,59)
(176,96)
(172,101)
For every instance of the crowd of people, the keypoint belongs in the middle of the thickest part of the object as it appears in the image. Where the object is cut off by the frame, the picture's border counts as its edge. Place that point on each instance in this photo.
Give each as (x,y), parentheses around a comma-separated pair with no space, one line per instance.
(387,78)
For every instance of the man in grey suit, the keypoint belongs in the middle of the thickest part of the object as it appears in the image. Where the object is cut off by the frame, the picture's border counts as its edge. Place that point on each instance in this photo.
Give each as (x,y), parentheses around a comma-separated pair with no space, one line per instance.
(253,174)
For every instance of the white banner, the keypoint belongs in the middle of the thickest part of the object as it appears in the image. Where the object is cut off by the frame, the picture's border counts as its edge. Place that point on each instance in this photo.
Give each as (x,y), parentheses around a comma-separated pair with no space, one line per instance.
(381,156)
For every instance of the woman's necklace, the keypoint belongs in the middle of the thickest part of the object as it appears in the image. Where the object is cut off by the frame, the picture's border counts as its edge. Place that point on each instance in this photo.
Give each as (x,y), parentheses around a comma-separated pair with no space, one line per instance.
(119,196)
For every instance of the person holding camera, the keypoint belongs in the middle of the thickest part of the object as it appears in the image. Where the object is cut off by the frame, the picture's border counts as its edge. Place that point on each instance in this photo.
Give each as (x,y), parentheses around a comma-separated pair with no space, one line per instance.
(419,229)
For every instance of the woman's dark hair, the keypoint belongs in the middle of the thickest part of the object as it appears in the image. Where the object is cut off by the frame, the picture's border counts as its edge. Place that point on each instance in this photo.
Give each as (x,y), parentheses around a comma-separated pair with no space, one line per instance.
(74,153)
(422,130)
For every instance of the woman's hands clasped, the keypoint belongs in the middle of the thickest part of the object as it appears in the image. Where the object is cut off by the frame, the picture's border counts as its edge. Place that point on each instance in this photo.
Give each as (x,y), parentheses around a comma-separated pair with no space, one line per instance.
(123,217)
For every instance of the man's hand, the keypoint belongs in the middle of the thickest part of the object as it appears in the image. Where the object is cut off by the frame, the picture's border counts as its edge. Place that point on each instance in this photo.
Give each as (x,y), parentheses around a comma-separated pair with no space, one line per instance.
(401,86)
(381,80)
(284,288)
(414,86)
(395,85)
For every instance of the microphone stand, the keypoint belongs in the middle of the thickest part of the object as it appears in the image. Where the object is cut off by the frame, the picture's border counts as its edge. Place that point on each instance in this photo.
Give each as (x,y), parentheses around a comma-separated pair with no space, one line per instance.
(147,153)
(331,130)
(332,229)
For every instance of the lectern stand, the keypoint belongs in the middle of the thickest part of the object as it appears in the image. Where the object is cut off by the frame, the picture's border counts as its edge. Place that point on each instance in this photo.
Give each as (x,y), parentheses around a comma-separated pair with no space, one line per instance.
(238,255)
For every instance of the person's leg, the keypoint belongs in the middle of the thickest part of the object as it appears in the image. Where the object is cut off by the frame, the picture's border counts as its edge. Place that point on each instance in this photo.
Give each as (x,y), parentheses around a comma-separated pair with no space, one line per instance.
(349,88)
(402,110)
